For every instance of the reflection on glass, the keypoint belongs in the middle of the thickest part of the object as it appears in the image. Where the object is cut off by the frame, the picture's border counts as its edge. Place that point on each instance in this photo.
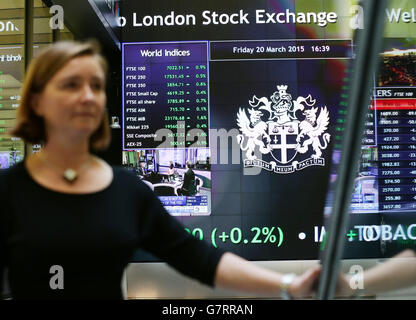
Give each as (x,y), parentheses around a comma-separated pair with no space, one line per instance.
(11,75)
(382,220)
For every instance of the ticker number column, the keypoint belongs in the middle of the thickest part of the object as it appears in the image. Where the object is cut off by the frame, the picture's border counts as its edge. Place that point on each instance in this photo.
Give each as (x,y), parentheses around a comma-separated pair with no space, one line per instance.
(165,87)
(396,135)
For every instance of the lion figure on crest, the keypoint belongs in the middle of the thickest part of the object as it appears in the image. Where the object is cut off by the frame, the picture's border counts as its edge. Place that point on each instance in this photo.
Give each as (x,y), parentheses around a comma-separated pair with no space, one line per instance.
(255,130)
(312,128)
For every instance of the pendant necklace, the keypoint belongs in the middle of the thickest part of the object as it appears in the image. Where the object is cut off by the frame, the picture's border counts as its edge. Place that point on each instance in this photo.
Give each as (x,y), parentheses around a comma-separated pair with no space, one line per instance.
(70,175)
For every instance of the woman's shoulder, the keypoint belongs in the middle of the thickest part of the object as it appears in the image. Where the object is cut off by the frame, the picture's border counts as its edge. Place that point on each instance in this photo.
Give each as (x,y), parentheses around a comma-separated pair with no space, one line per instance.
(127,178)
(8,173)
(9,177)
(131,185)
(121,172)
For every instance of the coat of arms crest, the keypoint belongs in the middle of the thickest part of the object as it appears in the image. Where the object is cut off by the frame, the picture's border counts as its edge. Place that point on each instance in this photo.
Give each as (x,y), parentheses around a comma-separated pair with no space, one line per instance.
(272,127)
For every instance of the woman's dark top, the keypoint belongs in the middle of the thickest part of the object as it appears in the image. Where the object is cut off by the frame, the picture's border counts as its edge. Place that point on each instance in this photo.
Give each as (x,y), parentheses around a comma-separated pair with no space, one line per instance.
(91,236)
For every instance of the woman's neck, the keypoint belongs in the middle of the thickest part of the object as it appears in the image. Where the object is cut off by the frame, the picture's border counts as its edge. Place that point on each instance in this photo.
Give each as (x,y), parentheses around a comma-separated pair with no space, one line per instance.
(69,155)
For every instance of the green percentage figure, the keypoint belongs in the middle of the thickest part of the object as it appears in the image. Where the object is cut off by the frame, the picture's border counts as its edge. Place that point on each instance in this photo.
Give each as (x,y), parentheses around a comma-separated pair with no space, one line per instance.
(270,237)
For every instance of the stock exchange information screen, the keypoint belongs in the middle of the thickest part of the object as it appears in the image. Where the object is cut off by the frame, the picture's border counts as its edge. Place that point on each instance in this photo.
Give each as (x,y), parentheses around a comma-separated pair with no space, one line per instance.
(252,95)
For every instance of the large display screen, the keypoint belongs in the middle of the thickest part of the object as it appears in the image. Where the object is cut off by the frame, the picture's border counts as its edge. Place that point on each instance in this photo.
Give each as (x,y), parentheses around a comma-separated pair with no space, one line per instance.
(250,94)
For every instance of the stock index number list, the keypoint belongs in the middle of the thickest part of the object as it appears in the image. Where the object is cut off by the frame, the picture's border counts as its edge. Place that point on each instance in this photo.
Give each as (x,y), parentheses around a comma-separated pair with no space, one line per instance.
(166,95)
(391,127)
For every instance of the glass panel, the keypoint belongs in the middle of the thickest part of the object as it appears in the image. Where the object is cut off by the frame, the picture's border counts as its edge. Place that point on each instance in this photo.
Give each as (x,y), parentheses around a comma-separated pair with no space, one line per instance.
(43,33)
(41,28)
(380,238)
(12,67)
(11,76)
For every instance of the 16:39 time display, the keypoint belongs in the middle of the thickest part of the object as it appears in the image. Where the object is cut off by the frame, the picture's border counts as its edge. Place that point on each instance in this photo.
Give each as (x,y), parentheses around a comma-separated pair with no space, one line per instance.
(321,48)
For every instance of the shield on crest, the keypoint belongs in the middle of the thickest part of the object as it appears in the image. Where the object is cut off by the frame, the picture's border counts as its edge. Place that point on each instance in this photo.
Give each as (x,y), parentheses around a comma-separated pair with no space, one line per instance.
(283,140)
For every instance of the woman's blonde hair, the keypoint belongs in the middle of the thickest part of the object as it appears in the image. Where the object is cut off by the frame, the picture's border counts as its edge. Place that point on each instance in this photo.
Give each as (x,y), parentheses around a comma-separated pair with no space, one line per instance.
(29,126)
